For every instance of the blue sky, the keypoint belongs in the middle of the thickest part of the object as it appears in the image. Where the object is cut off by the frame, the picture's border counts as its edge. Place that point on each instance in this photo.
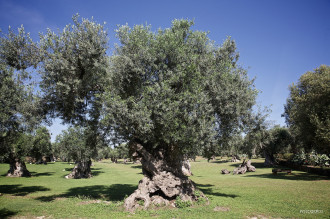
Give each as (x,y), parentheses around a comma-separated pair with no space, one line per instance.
(278,40)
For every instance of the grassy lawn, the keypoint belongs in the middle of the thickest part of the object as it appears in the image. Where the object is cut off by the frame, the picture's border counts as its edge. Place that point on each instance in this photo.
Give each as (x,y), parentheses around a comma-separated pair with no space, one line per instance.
(47,193)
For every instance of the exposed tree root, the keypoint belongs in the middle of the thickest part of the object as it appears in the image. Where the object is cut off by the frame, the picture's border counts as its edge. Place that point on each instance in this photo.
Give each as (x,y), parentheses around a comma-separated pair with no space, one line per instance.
(244,167)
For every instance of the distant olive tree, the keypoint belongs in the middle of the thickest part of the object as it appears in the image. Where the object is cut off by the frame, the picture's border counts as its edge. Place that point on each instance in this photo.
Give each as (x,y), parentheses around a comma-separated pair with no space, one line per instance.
(20,110)
(41,145)
(307,111)
(71,145)
(265,139)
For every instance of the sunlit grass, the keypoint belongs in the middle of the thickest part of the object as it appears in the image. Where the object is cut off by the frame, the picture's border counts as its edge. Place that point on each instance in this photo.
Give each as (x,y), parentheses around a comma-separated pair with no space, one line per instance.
(47,193)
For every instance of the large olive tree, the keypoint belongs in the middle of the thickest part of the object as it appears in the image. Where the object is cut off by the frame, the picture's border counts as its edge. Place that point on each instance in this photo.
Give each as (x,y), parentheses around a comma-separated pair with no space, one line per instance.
(173,93)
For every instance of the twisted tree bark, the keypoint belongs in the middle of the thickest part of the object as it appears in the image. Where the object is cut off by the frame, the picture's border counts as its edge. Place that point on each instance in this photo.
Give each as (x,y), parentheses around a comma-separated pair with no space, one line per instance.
(81,170)
(163,181)
(244,167)
(225,171)
(186,168)
(269,159)
(17,168)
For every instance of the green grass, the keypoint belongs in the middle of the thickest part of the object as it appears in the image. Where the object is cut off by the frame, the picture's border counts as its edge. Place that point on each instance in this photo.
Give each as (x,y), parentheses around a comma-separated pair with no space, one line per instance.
(261,194)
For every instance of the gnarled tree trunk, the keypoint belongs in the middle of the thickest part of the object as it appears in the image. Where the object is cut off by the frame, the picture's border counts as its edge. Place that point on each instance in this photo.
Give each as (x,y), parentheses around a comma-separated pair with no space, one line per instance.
(244,167)
(18,169)
(225,171)
(269,159)
(81,170)
(186,168)
(235,159)
(163,180)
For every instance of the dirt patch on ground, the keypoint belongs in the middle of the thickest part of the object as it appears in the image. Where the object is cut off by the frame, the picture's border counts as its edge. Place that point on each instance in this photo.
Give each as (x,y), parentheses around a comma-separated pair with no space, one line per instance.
(219,208)
(16,196)
(94,202)
(261,217)
(60,198)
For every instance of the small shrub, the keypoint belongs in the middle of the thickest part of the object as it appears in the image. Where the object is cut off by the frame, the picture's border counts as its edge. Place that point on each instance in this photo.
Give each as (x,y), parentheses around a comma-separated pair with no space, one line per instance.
(311,159)
(288,156)
(198,193)
(200,199)
(324,160)
(179,203)
(255,156)
(279,156)
(242,156)
(140,202)
(284,156)
(299,158)
(84,197)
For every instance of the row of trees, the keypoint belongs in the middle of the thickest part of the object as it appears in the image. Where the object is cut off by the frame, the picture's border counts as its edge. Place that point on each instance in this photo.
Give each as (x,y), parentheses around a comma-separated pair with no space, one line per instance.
(70,145)
(307,115)
(169,94)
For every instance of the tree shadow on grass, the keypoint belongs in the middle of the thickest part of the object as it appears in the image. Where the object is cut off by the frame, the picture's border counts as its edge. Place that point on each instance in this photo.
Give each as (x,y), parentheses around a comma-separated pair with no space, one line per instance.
(19,190)
(256,165)
(219,161)
(95,168)
(207,190)
(137,167)
(95,171)
(203,185)
(43,163)
(294,176)
(68,169)
(114,192)
(35,174)
(5,213)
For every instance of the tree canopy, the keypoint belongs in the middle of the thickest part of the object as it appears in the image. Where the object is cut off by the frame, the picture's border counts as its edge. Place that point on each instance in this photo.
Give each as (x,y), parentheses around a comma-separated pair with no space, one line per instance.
(74,70)
(71,144)
(19,105)
(41,144)
(172,94)
(173,90)
(19,111)
(307,110)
